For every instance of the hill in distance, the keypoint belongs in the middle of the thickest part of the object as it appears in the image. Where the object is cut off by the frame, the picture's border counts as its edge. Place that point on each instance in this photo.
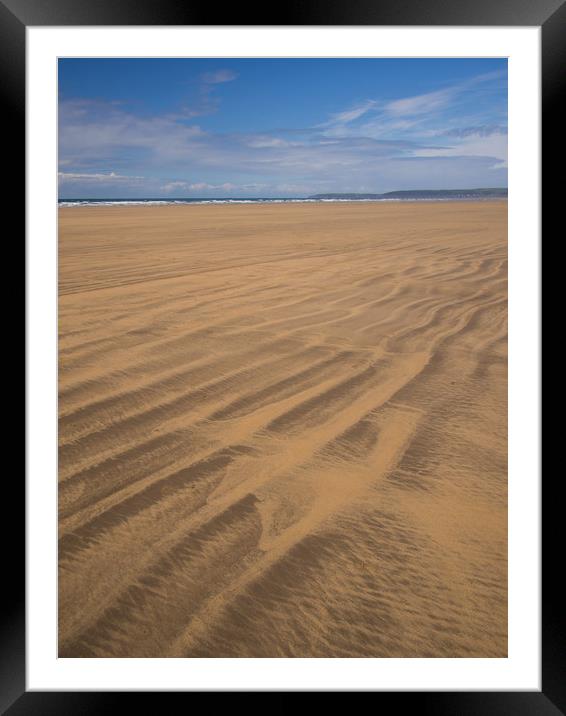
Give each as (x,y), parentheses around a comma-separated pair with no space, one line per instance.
(423,194)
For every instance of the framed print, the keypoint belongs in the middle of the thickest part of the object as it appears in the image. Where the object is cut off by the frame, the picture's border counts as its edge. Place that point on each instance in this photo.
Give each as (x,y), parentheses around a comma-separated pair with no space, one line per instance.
(282,301)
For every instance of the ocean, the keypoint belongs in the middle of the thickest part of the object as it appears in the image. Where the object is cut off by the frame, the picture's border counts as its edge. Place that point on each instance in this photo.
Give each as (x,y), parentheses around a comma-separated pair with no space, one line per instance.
(165,202)
(258,200)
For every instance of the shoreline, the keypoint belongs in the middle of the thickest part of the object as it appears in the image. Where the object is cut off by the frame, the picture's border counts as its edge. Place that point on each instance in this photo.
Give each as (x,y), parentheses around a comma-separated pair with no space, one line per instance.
(76,203)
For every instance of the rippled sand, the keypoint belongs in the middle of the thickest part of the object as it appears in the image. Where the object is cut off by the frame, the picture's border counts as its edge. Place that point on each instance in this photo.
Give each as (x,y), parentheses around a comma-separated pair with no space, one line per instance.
(283,430)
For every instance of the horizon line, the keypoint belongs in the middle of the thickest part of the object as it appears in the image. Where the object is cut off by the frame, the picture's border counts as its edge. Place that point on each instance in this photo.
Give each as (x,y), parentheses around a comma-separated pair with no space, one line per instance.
(333,193)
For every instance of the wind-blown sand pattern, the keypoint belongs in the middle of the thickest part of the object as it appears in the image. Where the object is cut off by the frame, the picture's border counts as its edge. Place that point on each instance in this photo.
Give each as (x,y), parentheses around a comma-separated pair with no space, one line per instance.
(283,430)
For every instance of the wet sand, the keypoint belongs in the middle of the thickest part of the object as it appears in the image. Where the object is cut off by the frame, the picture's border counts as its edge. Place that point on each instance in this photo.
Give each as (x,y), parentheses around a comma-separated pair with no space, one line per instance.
(283,430)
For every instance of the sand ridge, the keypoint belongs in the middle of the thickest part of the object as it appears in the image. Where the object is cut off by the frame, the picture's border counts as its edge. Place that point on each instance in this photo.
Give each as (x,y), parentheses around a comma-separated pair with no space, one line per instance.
(283,430)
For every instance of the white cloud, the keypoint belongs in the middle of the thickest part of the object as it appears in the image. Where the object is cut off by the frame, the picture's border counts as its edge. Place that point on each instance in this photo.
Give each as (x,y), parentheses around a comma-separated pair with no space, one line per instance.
(471,145)
(218,76)
(111,177)
(264,142)
(204,186)
(420,103)
(88,130)
(439,99)
(350,115)
(173,186)
(481,131)
(412,115)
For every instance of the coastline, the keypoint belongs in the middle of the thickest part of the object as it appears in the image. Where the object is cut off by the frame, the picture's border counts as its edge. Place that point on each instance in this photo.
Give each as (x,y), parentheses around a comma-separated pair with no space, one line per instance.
(71,203)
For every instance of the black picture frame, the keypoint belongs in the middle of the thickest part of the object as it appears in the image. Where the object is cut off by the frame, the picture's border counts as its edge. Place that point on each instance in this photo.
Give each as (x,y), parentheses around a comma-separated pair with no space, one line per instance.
(15,16)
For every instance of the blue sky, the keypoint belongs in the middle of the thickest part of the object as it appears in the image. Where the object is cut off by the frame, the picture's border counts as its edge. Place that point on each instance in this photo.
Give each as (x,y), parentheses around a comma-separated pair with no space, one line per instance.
(279,127)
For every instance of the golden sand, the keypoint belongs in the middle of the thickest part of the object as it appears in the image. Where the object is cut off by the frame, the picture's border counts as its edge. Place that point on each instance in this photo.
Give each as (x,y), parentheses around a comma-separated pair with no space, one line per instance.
(283,430)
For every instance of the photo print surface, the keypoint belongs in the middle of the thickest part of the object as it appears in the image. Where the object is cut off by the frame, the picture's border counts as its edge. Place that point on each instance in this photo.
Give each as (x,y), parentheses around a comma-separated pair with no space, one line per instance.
(282,357)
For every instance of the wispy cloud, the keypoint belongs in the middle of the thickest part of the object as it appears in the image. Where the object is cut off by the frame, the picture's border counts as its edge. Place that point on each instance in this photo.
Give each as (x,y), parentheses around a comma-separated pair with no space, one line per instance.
(96,131)
(205,100)
(349,115)
(428,102)
(492,146)
(439,99)
(110,177)
(219,76)
(482,131)
(419,111)
(269,142)
(174,186)
(187,186)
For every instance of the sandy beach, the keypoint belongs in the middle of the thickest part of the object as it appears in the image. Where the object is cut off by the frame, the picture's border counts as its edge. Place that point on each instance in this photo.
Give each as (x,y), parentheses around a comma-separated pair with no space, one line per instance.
(283,430)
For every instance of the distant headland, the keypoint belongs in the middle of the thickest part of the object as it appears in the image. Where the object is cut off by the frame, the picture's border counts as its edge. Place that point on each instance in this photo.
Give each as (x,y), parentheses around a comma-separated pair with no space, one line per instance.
(422,194)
